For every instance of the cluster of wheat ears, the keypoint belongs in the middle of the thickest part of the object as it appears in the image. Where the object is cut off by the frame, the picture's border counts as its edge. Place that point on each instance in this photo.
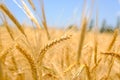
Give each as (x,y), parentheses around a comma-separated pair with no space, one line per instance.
(50,54)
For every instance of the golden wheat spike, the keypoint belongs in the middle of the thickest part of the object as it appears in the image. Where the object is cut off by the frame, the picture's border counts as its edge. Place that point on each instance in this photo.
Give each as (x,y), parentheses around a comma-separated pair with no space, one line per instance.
(81,40)
(44,50)
(52,43)
(32,4)
(10,15)
(30,60)
(44,22)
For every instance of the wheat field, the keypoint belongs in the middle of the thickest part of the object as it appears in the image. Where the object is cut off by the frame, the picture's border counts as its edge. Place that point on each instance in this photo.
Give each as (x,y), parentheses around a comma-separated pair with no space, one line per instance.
(44,53)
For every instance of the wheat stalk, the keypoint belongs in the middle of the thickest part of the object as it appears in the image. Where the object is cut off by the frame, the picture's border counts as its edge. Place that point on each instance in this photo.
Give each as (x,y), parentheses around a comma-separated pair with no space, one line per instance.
(58,72)
(20,76)
(8,28)
(31,16)
(114,37)
(1,73)
(83,9)
(44,22)
(113,40)
(112,54)
(32,4)
(94,67)
(78,72)
(9,31)
(91,10)
(88,72)
(95,39)
(110,67)
(10,15)
(70,67)
(0,42)
(81,39)
(0,33)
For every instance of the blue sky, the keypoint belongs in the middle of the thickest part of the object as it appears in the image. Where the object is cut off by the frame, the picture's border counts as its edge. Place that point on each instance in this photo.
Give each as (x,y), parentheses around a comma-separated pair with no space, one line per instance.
(63,12)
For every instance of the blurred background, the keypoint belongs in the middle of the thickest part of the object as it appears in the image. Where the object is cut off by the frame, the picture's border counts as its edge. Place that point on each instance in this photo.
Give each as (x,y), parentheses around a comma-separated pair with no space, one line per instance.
(65,13)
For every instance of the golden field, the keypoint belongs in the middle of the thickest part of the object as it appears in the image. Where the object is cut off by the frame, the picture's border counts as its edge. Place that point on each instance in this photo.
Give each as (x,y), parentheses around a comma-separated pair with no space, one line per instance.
(44,53)
(59,60)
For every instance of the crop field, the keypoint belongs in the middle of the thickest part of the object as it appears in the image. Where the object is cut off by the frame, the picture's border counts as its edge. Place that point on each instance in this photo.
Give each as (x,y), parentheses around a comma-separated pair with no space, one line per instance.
(44,53)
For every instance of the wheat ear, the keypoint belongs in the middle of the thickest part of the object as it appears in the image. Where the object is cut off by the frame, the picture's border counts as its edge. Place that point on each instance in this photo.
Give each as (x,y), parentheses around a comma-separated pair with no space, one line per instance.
(30,60)
(44,50)
(52,43)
